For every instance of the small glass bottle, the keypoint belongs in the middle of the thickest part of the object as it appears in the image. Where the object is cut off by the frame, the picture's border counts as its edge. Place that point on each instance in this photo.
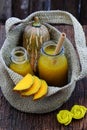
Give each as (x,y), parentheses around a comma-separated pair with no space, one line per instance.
(20,61)
(53,68)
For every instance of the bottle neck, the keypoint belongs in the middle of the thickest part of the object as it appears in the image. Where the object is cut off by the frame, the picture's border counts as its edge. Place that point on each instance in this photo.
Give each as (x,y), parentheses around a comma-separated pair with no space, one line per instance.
(19,55)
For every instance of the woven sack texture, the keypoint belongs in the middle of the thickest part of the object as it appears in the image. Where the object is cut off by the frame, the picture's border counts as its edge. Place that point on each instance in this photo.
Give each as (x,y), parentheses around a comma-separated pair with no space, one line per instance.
(56,96)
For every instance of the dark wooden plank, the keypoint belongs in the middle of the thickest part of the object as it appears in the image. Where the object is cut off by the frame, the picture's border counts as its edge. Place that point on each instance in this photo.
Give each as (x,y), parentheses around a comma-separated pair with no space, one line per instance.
(71,6)
(57,4)
(2,34)
(20,8)
(12,119)
(1,7)
(6,11)
(39,5)
(83,13)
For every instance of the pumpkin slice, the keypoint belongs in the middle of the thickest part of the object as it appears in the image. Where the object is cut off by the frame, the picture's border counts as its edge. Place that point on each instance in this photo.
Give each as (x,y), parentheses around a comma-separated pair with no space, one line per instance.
(25,83)
(34,88)
(42,91)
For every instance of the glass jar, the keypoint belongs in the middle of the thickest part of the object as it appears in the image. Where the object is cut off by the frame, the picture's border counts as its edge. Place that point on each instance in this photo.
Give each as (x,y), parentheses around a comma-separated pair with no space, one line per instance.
(20,61)
(53,68)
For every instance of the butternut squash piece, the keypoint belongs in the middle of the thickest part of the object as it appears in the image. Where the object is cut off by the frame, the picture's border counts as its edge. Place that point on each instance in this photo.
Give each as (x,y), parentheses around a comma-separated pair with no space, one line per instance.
(25,83)
(42,91)
(34,88)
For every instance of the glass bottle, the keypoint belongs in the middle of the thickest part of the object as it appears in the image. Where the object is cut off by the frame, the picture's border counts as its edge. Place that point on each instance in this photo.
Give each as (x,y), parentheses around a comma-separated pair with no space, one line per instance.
(20,61)
(53,68)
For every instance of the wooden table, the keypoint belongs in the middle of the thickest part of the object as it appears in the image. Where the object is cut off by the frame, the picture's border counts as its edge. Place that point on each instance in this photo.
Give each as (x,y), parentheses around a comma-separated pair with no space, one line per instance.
(12,119)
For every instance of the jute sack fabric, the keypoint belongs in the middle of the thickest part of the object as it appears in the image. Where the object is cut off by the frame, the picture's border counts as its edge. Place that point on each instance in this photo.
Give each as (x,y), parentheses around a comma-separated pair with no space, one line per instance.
(77,68)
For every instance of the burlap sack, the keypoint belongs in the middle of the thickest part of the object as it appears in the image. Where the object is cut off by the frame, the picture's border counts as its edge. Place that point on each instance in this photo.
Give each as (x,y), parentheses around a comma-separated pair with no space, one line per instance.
(56,96)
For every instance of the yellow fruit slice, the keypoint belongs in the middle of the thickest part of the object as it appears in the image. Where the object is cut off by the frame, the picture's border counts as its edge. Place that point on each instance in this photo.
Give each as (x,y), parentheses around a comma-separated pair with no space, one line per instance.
(25,83)
(42,91)
(34,88)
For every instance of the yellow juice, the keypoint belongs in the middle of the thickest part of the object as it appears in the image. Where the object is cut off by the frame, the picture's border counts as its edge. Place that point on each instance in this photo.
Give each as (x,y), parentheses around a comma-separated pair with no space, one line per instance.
(21,69)
(53,68)
(20,62)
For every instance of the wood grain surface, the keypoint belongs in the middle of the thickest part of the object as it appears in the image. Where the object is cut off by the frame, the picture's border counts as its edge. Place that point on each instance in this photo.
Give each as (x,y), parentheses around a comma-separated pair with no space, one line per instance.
(22,8)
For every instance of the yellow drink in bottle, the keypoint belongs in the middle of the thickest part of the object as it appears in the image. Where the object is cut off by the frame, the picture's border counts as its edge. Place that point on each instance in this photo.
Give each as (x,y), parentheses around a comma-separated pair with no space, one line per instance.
(53,68)
(20,62)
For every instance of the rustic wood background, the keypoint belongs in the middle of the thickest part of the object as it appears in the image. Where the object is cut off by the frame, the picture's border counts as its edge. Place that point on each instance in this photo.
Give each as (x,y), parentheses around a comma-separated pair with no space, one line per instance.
(22,8)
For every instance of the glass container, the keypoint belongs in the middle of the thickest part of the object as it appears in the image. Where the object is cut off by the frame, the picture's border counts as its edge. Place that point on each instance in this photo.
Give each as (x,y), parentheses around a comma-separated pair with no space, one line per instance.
(20,61)
(53,68)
